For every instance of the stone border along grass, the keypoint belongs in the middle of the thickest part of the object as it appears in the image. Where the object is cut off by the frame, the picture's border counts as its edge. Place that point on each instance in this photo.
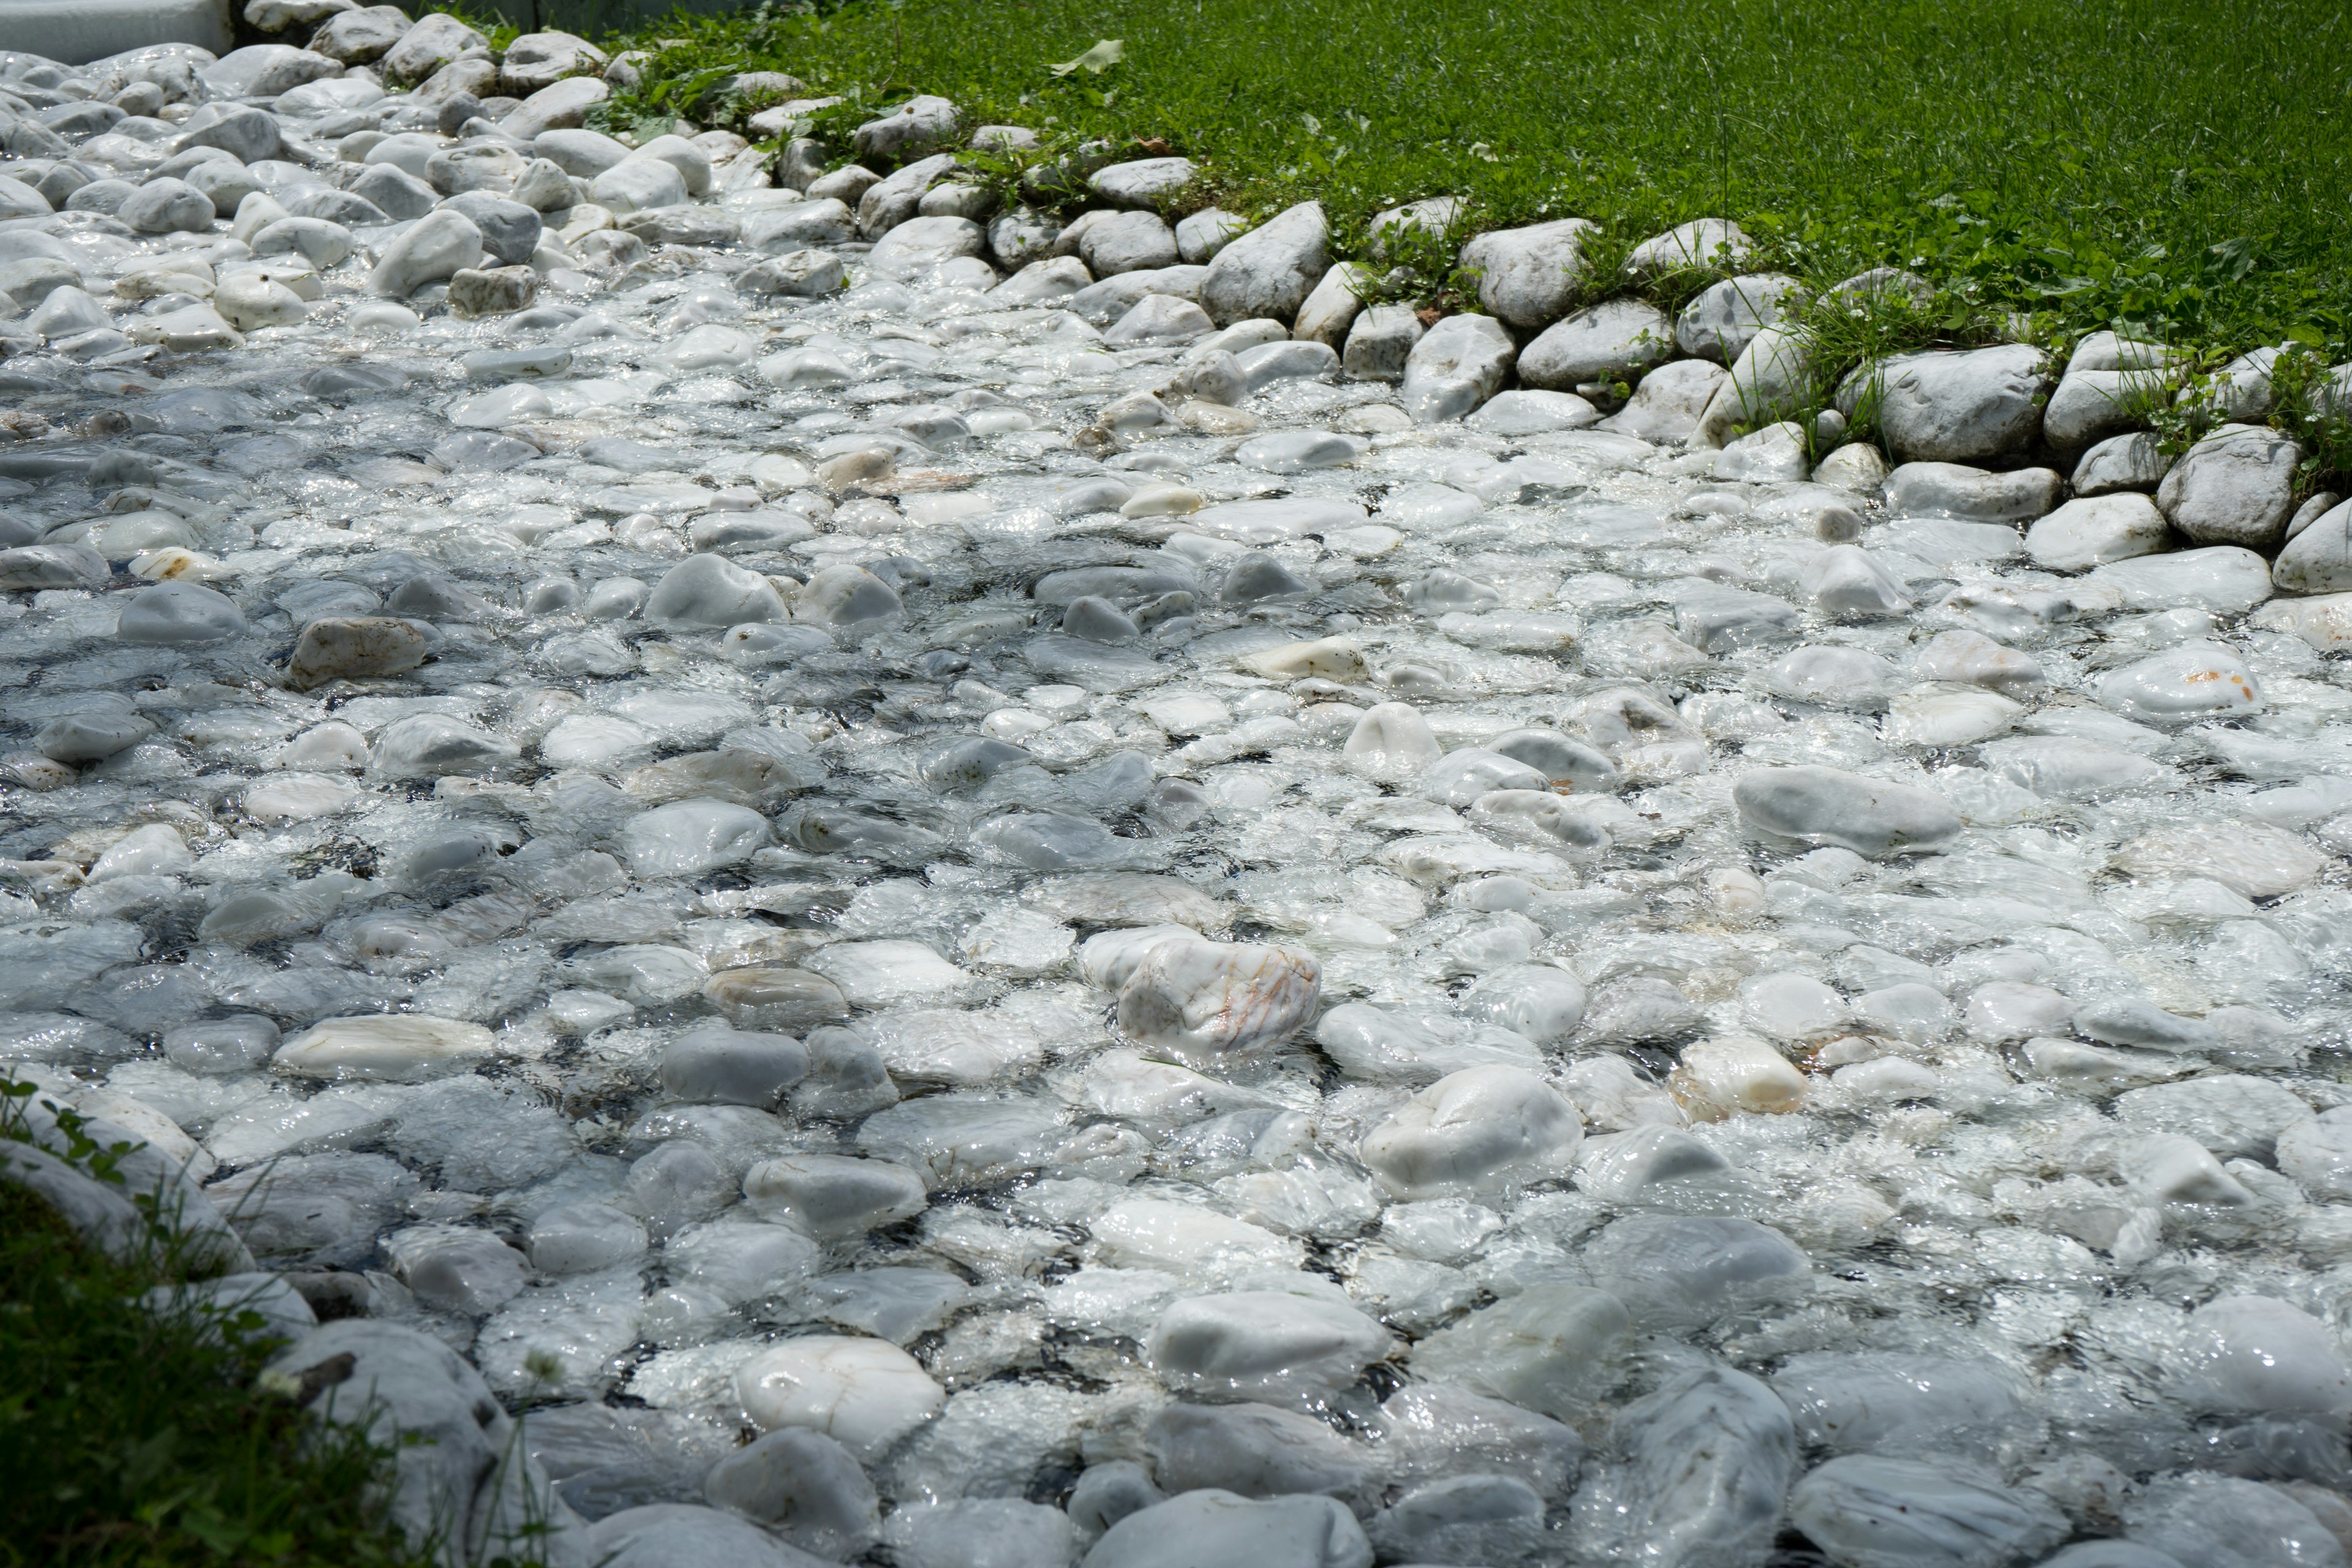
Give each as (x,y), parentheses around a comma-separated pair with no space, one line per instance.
(1883,384)
(1682,335)
(1880,370)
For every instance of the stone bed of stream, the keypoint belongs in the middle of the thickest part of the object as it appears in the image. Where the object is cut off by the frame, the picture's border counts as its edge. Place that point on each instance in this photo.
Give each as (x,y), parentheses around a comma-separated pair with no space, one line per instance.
(1128,953)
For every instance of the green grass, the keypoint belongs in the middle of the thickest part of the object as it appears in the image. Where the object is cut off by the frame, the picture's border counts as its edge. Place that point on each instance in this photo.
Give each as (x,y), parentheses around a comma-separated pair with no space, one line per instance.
(132,1439)
(2178,167)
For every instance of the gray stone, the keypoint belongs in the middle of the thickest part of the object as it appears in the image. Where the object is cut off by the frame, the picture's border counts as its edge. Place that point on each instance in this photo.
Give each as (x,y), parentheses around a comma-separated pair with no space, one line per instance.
(467,76)
(2321,503)
(799,227)
(958,198)
(224,182)
(1712,243)
(2091,405)
(1457,364)
(887,203)
(2319,560)
(583,154)
(1614,340)
(1023,236)
(1868,1508)
(175,615)
(847,184)
(2240,391)
(1105,302)
(357,36)
(363,647)
(1829,805)
(1960,407)
(1126,242)
(804,1486)
(562,106)
(435,40)
(509,230)
(1057,277)
(1767,383)
(247,134)
(2133,462)
(399,194)
(2093,531)
(1160,317)
(1379,341)
(636,183)
(912,129)
(316,241)
(1724,320)
(1701,1469)
(688,222)
(1331,310)
(1526,411)
(543,187)
(167,206)
(91,736)
(437,248)
(2234,487)
(265,71)
(1212,1528)
(714,1065)
(1975,495)
(1269,271)
(1671,400)
(2113,351)
(492,290)
(923,243)
(1143,182)
(802,274)
(1200,237)
(1528,277)
(538,61)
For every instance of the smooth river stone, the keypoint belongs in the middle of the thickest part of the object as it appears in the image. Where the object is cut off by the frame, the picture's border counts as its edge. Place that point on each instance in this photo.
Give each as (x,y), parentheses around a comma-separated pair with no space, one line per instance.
(2255,1356)
(1254,1451)
(1381,1045)
(1205,1002)
(711,590)
(2318,1154)
(2208,1520)
(1158,1233)
(1868,1511)
(1264,1345)
(1549,1348)
(170,615)
(714,1065)
(1849,1402)
(1701,1469)
(1829,805)
(802,1485)
(357,648)
(2249,859)
(398,1047)
(1392,742)
(875,973)
(864,1393)
(834,1197)
(1211,1529)
(2195,680)
(689,837)
(1485,1130)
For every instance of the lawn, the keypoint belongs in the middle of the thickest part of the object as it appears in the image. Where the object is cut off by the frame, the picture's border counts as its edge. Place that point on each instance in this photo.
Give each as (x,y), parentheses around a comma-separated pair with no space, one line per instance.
(2180,165)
